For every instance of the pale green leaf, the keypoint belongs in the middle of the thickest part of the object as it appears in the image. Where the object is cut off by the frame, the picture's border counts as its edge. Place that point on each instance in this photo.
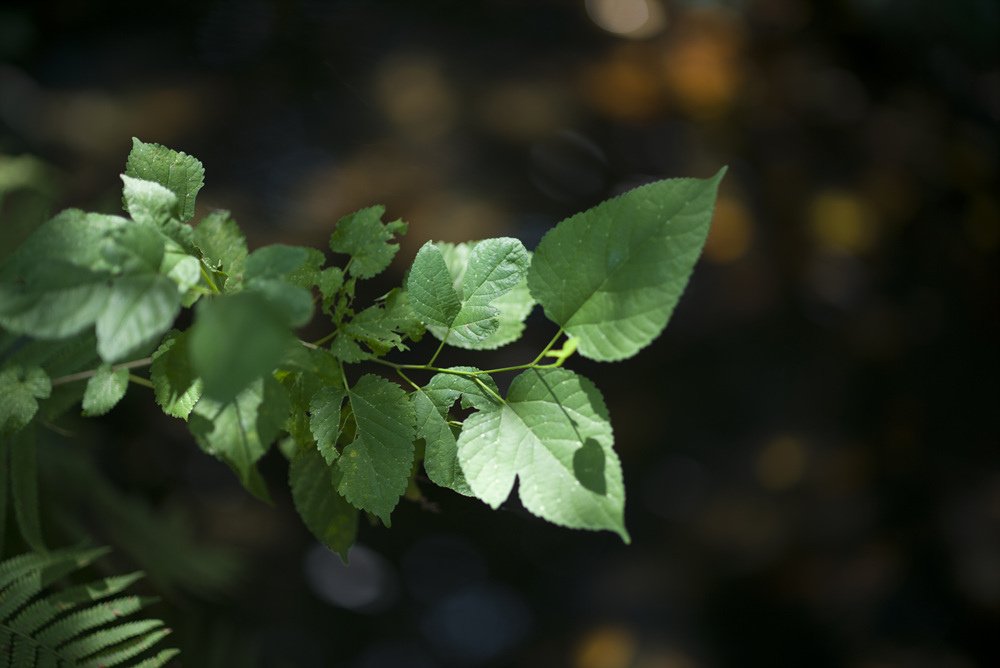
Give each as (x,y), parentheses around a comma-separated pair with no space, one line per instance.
(183,269)
(324,420)
(21,387)
(136,248)
(431,405)
(492,269)
(62,303)
(72,236)
(553,434)
(513,307)
(104,390)
(56,283)
(377,464)
(178,172)
(140,309)
(368,241)
(611,276)
(240,431)
(324,511)
(175,384)
(235,340)
(148,201)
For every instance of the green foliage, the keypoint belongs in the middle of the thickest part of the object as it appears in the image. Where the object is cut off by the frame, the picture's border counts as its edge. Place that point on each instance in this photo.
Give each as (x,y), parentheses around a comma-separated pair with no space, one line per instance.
(87,296)
(77,625)
(612,275)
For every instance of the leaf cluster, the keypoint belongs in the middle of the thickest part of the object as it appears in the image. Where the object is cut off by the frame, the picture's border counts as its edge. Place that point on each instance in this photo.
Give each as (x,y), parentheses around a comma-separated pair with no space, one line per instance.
(91,298)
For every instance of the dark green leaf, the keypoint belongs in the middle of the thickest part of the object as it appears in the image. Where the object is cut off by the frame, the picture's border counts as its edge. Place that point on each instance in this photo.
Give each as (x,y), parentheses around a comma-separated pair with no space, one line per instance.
(324,511)
(376,464)
(324,420)
(235,340)
(240,431)
(23,478)
(21,388)
(368,241)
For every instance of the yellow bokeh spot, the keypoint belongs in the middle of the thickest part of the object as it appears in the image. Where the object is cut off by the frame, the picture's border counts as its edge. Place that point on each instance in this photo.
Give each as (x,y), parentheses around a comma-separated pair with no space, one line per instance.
(626,84)
(731,233)
(607,647)
(701,65)
(781,463)
(842,222)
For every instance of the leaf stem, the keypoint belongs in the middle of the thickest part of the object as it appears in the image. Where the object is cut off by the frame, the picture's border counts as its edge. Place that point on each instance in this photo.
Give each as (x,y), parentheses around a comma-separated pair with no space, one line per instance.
(439,348)
(139,380)
(318,342)
(548,347)
(84,375)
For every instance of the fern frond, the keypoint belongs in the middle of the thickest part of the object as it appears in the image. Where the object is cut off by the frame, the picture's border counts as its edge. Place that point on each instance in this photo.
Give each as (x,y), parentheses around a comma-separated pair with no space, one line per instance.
(81,625)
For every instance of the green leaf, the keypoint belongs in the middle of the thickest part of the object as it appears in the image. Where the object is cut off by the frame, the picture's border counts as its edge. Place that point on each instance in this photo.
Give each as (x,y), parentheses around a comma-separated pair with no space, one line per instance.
(56,283)
(554,434)
(305,372)
(293,264)
(71,624)
(294,304)
(429,286)
(104,390)
(175,385)
(324,420)
(329,282)
(494,268)
(23,478)
(183,269)
(58,305)
(222,246)
(368,240)
(136,248)
(21,387)
(236,339)
(375,327)
(140,309)
(611,276)
(148,201)
(377,464)
(324,511)
(347,350)
(240,431)
(513,307)
(178,172)
(431,405)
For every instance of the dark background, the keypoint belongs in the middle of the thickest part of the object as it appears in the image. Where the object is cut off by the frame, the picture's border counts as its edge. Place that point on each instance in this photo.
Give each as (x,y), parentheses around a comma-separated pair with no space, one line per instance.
(810,450)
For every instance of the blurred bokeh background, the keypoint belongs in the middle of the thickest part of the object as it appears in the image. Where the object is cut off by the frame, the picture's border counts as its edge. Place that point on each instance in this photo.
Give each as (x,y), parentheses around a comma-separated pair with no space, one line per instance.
(810,450)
